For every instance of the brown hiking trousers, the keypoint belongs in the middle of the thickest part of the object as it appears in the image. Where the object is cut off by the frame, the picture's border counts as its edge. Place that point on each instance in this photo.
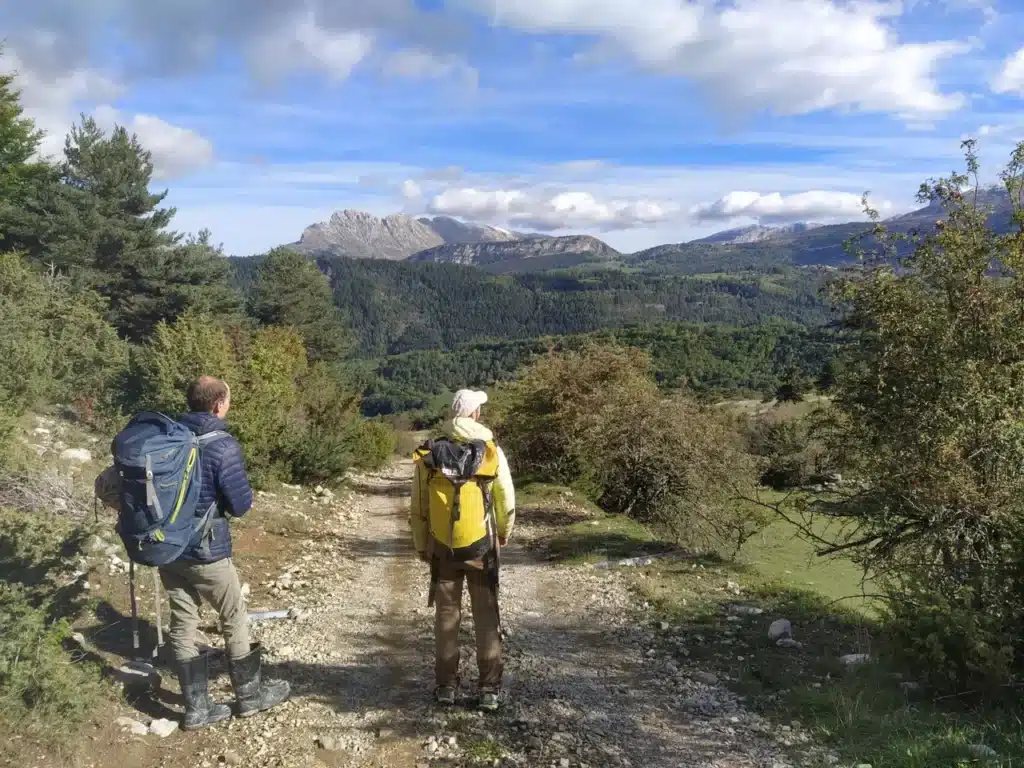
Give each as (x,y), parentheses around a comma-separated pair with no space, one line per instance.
(453,575)
(188,585)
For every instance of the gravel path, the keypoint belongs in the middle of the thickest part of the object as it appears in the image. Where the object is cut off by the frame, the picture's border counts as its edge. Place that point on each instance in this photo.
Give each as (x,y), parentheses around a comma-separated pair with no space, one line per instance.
(588,680)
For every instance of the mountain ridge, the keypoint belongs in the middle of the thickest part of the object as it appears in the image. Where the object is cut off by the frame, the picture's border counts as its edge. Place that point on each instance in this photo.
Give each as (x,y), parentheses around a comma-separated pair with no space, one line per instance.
(443,239)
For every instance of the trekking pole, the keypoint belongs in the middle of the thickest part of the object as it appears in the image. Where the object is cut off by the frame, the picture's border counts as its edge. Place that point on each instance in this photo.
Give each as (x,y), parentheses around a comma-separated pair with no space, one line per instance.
(135,608)
(159,614)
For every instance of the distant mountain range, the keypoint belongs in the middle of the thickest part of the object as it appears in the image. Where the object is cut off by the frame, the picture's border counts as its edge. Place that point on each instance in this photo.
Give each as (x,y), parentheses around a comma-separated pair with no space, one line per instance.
(354,234)
(757,233)
(359,235)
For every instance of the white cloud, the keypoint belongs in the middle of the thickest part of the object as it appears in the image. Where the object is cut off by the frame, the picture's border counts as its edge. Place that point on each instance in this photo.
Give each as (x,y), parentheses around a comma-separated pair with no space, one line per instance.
(787,56)
(275,37)
(421,64)
(53,101)
(411,190)
(565,210)
(55,104)
(815,205)
(175,150)
(304,44)
(1011,78)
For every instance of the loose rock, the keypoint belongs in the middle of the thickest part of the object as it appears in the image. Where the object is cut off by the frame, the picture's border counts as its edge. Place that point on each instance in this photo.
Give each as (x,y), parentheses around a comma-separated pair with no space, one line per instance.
(76,455)
(779,629)
(133,726)
(163,727)
(854,659)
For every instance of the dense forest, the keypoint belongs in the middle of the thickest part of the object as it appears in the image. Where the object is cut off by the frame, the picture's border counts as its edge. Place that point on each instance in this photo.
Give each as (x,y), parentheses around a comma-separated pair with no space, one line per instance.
(710,361)
(395,307)
(423,328)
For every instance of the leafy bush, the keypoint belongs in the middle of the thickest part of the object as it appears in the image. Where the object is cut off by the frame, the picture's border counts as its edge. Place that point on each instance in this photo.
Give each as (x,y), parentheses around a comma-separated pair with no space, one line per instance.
(296,420)
(54,344)
(930,417)
(595,420)
(788,453)
(373,443)
(41,690)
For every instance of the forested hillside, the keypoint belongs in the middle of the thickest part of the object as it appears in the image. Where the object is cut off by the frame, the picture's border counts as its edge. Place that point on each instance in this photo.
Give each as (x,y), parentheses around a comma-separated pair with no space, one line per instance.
(712,361)
(396,307)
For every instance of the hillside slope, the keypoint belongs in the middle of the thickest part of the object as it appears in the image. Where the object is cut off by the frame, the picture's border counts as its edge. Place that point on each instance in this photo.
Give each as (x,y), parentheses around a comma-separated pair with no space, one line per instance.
(533,254)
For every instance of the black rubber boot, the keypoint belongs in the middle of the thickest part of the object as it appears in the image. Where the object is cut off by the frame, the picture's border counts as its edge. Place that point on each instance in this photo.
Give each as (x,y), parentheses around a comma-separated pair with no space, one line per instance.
(200,708)
(252,692)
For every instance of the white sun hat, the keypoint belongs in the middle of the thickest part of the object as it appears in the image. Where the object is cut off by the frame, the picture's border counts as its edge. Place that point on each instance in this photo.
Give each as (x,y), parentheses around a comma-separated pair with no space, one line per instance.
(466,401)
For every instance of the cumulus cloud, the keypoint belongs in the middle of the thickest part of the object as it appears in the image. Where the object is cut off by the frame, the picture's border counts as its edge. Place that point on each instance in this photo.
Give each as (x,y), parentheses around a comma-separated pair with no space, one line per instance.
(548,213)
(411,190)
(1011,77)
(306,45)
(276,37)
(815,205)
(56,104)
(787,56)
(175,150)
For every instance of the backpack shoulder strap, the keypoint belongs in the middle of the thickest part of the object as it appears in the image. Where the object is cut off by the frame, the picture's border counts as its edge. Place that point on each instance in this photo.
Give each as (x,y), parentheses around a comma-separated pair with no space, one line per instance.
(212,437)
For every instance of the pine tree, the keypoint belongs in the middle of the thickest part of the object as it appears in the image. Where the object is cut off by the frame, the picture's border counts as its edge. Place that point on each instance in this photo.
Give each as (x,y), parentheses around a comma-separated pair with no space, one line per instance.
(22,180)
(291,290)
(110,230)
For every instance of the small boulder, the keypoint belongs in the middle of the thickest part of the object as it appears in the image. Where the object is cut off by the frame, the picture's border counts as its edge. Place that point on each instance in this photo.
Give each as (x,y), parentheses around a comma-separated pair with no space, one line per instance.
(788,642)
(132,726)
(854,659)
(780,629)
(744,610)
(163,727)
(76,455)
(329,744)
(981,752)
(707,678)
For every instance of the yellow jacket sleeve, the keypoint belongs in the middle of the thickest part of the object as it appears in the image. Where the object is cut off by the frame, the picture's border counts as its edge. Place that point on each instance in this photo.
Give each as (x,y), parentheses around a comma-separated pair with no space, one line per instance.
(420,508)
(504,498)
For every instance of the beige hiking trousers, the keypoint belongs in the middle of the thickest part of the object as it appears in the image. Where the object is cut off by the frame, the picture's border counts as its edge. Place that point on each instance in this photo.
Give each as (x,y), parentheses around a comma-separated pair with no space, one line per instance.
(188,585)
(448,602)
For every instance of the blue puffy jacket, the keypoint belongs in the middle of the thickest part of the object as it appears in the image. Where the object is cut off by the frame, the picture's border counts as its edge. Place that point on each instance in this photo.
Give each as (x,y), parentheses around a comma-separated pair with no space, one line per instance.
(224,481)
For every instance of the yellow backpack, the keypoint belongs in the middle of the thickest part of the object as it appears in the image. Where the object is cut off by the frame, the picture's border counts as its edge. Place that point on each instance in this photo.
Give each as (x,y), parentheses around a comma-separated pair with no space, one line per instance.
(461,504)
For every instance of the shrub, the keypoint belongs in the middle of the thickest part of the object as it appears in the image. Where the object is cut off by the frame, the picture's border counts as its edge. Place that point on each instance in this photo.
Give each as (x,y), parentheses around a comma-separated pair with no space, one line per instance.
(296,420)
(42,691)
(788,453)
(373,443)
(54,344)
(173,357)
(595,420)
(929,413)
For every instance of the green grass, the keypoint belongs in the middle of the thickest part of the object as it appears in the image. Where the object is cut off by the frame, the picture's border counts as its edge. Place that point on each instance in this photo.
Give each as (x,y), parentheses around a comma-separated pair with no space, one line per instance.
(575,531)
(611,537)
(864,713)
(779,553)
(486,750)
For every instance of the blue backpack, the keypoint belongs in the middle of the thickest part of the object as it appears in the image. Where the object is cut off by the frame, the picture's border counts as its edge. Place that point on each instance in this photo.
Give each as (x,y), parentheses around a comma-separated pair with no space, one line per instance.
(157,460)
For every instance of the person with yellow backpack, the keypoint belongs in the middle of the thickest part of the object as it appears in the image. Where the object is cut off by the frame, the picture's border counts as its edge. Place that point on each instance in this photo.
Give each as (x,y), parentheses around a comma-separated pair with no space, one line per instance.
(462,514)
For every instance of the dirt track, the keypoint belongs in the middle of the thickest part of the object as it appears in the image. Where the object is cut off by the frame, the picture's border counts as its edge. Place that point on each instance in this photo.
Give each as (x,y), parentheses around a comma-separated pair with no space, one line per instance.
(589,680)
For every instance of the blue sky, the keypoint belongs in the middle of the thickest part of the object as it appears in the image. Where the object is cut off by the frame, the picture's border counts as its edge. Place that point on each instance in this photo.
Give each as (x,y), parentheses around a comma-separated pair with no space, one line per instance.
(640,122)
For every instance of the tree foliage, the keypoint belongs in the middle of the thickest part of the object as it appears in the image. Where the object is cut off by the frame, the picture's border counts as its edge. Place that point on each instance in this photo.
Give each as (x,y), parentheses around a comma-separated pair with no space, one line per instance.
(930,420)
(290,290)
(596,420)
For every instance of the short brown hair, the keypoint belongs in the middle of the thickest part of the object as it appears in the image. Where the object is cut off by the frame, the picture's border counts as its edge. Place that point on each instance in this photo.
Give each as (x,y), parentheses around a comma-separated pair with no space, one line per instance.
(206,392)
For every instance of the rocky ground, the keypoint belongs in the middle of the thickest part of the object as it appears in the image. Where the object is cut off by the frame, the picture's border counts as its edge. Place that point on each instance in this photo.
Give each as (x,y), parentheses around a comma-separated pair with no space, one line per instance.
(593,681)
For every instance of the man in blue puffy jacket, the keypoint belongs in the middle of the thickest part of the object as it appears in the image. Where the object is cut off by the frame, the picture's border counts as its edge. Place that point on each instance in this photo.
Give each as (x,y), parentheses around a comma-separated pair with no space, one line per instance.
(205,571)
